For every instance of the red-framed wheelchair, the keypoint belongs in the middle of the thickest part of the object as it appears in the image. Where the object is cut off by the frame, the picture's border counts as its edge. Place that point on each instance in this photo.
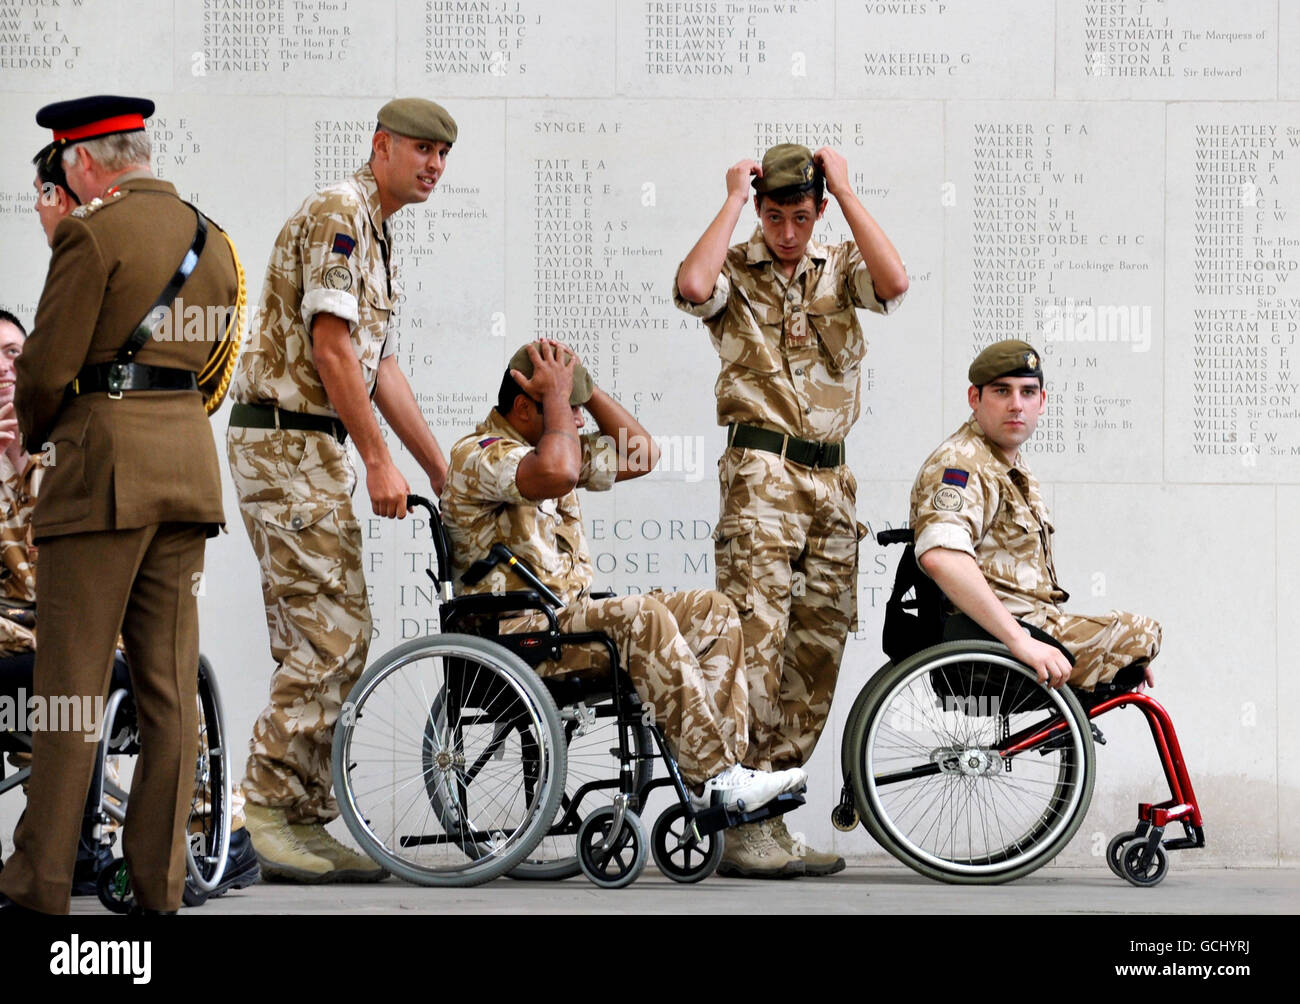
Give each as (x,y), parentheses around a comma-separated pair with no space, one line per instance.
(967,769)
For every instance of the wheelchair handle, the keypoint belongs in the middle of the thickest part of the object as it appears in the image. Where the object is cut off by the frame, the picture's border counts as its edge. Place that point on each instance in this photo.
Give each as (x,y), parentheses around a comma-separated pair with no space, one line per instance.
(414,502)
(903,535)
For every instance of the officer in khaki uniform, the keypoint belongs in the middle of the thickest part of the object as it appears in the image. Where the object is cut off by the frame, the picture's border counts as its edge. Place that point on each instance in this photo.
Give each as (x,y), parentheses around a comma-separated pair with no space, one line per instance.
(781,310)
(514,481)
(984,534)
(319,350)
(130,494)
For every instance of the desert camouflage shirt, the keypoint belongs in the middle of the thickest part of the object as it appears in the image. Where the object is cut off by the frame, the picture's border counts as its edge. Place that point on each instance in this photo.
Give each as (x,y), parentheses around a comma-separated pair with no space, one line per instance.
(790,349)
(968,498)
(17,555)
(482,505)
(332,256)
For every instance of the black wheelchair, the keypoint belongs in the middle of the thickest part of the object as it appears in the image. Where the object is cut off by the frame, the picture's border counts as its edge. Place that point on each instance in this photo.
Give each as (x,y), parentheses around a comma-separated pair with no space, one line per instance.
(968,770)
(454,762)
(208,833)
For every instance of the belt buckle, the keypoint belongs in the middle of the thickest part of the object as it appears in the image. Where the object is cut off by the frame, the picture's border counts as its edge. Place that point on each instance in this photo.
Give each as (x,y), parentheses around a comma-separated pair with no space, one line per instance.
(116,378)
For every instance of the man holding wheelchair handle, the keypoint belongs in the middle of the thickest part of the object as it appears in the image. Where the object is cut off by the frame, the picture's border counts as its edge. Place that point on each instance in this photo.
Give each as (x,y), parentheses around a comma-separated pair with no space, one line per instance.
(984,535)
(514,481)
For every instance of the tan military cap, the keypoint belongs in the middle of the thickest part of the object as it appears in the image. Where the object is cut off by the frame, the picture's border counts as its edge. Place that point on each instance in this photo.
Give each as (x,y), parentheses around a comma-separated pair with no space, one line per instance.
(786,166)
(582,384)
(419,119)
(1011,357)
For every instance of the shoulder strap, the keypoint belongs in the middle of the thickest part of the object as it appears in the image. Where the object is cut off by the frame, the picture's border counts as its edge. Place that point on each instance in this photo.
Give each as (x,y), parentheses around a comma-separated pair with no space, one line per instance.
(145,329)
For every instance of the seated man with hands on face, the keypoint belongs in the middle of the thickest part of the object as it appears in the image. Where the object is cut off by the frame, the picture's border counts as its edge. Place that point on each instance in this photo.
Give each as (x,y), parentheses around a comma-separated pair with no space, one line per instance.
(513,481)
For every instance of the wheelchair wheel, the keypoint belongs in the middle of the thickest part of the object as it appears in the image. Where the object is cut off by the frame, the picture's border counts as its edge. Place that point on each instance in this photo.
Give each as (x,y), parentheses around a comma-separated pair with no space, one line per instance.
(967,769)
(591,742)
(1142,868)
(113,885)
(624,860)
(449,760)
(1115,851)
(855,712)
(209,829)
(683,860)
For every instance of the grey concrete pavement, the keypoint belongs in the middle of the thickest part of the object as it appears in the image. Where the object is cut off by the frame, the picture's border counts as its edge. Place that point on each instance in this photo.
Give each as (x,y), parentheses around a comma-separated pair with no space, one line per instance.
(858,890)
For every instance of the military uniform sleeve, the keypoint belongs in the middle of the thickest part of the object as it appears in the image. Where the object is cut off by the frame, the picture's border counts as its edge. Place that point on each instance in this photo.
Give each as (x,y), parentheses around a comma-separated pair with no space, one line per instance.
(599,463)
(490,471)
(861,287)
(61,336)
(711,307)
(331,274)
(948,506)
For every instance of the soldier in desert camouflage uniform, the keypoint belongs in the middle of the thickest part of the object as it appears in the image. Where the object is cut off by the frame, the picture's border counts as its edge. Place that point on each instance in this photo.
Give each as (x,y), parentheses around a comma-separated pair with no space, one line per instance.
(19,480)
(514,481)
(781,310)
(320,348)
(984,534)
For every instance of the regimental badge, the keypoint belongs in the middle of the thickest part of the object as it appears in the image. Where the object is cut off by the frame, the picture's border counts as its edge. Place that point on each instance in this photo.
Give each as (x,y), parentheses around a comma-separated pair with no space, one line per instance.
(489,441)
(1031,360)
(955,476)
(343,244)
(808,172)
(338,277)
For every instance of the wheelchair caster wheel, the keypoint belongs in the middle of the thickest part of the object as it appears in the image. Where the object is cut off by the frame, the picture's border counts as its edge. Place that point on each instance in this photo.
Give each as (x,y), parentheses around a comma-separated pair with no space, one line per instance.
(1115,851)
(680,859)
(114,887)
(845,818)
(192,895)
(626,856)
(1155,868)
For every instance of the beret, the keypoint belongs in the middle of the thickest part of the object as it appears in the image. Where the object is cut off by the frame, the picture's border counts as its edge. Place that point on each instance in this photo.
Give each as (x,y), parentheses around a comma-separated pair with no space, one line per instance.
(582,385)
(419,119)
(1011,357)
(786,166)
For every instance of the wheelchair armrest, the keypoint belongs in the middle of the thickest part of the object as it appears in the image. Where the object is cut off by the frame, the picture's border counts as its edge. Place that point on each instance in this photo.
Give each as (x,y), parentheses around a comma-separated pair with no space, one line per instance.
(605,595)
(498,605)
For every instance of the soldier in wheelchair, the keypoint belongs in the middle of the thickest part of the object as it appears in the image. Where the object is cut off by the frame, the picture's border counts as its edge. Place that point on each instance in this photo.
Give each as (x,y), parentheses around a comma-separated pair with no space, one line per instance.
(513,481)
(956,757)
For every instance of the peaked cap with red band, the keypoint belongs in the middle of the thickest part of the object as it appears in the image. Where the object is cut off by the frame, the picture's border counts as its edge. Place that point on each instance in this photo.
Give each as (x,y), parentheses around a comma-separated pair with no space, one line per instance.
(93,117)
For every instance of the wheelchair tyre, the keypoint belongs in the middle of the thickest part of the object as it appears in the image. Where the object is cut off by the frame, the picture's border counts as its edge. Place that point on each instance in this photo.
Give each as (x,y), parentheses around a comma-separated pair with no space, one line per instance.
(859,702)
(448,760)
(1153,873)
(624,861)
(929,755)
(1115,851)
(591,758)
(113,885)
(683,862)
(208,835)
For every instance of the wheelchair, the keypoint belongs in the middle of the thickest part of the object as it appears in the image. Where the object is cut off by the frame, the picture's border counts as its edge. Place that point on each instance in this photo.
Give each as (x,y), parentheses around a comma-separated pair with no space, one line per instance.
(208,834)
(968,770)
(454,762)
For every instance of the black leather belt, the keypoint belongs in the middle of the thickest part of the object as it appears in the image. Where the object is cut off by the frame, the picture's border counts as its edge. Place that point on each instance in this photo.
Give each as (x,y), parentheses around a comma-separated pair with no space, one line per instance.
(801,451)
(118,378)
(265,416)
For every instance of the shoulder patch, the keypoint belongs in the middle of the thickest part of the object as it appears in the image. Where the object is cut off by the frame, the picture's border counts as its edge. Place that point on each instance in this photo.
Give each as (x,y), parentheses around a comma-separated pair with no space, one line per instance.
(947,499)
(344,245)
(955,476)
(337,277)
(489,441)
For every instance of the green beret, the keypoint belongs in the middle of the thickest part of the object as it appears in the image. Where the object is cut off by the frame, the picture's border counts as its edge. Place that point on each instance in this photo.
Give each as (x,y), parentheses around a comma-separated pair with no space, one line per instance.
(419,119)
(582,385)
(786,166)
(1007,358)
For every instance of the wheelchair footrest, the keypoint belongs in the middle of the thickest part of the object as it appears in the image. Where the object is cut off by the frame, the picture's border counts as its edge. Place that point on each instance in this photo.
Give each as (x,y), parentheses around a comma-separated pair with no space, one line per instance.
(720,818)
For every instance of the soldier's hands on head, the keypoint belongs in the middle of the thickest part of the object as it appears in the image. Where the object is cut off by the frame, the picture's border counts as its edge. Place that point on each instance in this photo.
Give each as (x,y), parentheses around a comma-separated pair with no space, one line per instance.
(738,176)
(836,170)
(553,368)
(388,490)
(8,425)
(1048,661)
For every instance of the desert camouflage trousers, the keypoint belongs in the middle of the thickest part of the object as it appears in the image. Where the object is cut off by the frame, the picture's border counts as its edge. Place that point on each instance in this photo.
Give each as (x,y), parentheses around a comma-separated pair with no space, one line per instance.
(786,546)
(685,656)
(1102,645)
(295,493)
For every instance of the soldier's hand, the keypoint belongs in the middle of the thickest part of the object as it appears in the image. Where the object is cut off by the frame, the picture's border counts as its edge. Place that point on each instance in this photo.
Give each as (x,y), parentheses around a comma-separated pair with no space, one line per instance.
(738,176)
(1048,661)
(8,425)
(388,490)
(553,367)
(836,170)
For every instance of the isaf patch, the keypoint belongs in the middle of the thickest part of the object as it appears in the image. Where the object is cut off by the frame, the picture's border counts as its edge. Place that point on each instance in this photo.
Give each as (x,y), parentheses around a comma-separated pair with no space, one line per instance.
(338,277)
(947,499)
(344,245)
